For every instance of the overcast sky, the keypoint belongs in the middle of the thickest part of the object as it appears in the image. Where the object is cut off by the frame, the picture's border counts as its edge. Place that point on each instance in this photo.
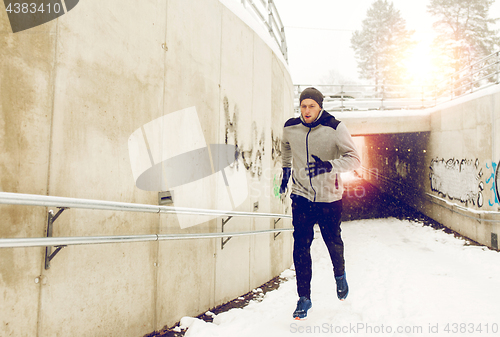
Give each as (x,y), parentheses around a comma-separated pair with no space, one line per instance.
(326,45)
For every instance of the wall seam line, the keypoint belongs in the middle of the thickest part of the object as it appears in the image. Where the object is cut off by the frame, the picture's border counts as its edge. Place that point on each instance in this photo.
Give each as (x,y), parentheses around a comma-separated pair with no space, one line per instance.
(251,241)
(216,250)
(49,168)
(156,291)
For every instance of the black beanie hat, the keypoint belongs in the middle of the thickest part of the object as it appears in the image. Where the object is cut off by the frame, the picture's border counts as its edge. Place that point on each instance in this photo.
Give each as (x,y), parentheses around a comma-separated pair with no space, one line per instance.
(313,94)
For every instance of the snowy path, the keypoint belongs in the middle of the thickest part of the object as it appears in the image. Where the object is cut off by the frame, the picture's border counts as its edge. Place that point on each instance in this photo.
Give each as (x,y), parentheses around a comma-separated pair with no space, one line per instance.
(405,280)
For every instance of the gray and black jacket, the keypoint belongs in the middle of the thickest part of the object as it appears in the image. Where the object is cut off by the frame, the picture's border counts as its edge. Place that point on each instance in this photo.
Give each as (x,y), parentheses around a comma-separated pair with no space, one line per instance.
(326,138)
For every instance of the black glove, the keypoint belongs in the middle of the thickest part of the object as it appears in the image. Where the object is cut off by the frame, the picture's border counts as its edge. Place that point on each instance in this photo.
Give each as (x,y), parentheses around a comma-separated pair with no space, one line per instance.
(284,181)
(318,167)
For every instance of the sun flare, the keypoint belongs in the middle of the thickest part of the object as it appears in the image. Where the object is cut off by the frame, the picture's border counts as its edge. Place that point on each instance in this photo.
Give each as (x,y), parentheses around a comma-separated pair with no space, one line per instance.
(419,64)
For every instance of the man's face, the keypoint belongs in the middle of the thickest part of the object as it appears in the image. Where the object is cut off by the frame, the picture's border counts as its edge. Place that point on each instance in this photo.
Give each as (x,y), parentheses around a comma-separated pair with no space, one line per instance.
(310,110)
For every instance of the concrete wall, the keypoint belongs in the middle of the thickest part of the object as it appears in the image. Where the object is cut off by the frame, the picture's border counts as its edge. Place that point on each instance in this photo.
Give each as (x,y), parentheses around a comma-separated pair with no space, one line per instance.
(449,173)
(72,91)
(363,123)
(396,163)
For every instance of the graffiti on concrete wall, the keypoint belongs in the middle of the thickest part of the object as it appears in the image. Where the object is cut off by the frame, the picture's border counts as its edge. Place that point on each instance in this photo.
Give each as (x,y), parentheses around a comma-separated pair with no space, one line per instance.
(251,152)
(276,149)
(252,155)
(276,186)
(457,180)
(497,182)
(231,133)
(402,168)
(494,178)
(187,167)
(276,158)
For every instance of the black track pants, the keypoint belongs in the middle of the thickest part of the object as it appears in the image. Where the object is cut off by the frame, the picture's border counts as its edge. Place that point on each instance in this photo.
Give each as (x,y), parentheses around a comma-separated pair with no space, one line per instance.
(305,215)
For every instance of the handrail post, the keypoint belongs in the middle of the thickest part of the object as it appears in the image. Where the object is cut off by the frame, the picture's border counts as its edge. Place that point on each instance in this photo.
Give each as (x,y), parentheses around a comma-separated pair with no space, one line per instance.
(423,103)
(382,98)
(498,67)
(222,241)
(435,94)
(471,78)
(49,255)
(342,98)
(268,20)
(284,48)
(451,87)
(270,17)
(275,222)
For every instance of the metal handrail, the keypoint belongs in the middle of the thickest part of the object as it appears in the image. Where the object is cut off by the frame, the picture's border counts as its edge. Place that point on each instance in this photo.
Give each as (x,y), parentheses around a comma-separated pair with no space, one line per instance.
(51,201)
(87,240)
(64,202)
(270,18)
(476,76)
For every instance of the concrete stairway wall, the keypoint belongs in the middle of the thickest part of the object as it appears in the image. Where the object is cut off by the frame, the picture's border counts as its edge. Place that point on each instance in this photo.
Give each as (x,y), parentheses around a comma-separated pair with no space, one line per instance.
(72,92)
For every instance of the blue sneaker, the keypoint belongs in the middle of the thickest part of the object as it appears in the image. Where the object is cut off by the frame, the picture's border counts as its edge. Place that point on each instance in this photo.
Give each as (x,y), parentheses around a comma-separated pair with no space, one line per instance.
(342,287)
(303,305)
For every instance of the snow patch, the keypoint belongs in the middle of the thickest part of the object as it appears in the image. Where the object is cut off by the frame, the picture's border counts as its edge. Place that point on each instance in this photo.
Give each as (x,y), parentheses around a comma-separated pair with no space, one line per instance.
(288,274)
(495,89)
(400,273)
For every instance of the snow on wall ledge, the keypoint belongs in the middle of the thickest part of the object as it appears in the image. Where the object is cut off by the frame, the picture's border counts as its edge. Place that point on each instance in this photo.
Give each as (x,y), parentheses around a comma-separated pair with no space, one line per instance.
(397,121)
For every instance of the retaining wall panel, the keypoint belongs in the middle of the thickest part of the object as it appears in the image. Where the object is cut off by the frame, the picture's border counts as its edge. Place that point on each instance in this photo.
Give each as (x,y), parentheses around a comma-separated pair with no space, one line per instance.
(99,289)
(260,188)
(19,290)
(232,277)
(97,76)
(260,254)
(236,116)
(185,279)
(92,116)
(26,94)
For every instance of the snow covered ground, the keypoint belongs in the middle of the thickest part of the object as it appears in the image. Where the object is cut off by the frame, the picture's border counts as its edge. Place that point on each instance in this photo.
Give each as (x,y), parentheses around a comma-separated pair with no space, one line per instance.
(405,279)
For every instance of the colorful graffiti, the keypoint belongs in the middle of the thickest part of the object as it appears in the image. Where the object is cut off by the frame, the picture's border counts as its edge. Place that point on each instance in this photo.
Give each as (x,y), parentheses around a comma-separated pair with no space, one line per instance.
(494,179)
(276,186)
(457,180)
(497,182)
